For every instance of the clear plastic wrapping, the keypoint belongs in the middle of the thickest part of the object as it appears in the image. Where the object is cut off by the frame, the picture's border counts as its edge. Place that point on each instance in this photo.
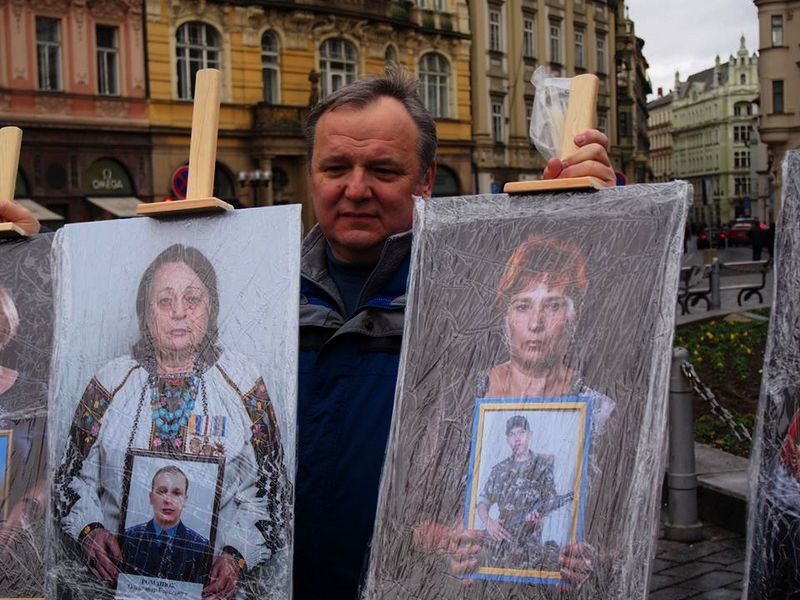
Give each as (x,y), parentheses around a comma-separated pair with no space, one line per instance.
(528,440)
(173,406)
(773,540)
(26,335)
(549,111)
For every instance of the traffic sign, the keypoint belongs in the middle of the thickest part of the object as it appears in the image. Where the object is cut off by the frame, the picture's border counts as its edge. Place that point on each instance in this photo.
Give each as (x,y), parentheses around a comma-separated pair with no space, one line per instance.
(180,182)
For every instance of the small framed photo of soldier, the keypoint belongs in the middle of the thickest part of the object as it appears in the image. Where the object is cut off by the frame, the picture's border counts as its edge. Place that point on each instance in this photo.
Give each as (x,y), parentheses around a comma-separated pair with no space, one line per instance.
(526,483)
(168,524)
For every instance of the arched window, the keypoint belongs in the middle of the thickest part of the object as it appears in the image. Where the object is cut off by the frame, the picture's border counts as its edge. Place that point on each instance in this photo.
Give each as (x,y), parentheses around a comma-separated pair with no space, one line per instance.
(390,56)
(434,74)
(337,64)
(197,48)
(270,68)
(743,79)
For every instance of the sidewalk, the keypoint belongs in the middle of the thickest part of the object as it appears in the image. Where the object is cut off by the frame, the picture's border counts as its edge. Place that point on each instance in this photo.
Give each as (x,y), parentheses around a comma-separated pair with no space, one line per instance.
(714,567)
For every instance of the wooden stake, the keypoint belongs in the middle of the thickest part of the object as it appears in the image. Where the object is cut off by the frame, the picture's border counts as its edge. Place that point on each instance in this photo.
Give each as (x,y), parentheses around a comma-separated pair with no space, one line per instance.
(581,115)
(202,154)
(10,143)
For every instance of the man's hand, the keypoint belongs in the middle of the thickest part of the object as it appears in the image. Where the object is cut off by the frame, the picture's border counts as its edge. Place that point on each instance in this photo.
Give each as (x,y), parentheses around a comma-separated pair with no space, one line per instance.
(101,554)
(576,562)
(12,212)
(223,579)
(496,531)
(463,549)
(591,159)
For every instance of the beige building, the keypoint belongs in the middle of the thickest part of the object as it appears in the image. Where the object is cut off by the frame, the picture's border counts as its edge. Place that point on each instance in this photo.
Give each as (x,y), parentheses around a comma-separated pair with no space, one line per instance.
(779,120)
(276,59)
(714,148)
(659,124)
(509,40)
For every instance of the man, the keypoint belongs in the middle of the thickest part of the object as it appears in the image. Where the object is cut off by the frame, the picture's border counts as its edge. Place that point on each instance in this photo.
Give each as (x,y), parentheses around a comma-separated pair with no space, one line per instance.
(164,547)
(517,485)
(371,147)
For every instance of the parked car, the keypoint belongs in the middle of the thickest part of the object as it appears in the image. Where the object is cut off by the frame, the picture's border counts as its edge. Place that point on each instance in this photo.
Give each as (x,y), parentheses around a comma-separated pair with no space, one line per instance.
(742,231)
(713,237)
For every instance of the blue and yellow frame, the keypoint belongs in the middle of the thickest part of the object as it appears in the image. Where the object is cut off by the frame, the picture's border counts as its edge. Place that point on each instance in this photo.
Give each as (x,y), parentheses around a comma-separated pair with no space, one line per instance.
(5,469)
(582,405)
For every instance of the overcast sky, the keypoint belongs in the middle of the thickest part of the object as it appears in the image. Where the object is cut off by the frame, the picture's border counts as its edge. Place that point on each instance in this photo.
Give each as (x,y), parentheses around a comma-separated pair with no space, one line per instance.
(686,35)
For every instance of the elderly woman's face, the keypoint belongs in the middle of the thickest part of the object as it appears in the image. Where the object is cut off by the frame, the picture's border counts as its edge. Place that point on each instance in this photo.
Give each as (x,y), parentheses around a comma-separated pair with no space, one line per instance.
(537,322)
(177,309)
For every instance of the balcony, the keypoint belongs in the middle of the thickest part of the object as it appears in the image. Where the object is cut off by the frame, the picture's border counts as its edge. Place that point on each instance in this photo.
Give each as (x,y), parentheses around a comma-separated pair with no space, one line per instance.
(279,119)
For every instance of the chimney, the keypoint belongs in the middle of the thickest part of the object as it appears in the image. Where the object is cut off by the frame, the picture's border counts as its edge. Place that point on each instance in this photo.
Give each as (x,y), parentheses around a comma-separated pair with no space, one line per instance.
(660,92)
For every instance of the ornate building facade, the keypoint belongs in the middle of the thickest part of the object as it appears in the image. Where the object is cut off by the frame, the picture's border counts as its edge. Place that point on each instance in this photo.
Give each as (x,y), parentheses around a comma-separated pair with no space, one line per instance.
(74,82)
(659,126)
(511,39)
(276,59)
(779,119)
(714,114)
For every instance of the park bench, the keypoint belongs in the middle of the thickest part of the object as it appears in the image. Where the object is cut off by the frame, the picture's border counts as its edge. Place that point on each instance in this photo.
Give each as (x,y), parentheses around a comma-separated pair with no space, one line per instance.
(690,295)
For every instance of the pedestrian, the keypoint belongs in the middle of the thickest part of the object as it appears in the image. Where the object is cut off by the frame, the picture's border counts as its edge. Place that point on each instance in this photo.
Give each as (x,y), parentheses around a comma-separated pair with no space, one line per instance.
(757,240)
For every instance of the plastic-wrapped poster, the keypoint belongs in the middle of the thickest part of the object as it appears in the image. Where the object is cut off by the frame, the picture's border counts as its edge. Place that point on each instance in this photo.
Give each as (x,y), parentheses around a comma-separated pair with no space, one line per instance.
(26,335)
(173,407)
(528,438)
(773,540)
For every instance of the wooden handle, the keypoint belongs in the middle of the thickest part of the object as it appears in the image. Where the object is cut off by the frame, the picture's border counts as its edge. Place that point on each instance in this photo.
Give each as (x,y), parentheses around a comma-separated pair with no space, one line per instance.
(205,124)
(581,111)
(10,143)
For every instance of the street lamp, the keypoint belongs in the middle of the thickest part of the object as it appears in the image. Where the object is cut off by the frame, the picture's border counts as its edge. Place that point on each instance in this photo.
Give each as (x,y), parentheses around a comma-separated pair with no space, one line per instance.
(255,179)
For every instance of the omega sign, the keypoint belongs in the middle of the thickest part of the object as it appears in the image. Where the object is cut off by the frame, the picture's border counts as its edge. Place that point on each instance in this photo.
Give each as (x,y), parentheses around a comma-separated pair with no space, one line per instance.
(107,183)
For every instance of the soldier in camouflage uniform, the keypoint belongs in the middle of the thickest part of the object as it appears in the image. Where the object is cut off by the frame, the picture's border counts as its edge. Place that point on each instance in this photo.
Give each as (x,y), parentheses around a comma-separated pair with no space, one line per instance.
(516,485)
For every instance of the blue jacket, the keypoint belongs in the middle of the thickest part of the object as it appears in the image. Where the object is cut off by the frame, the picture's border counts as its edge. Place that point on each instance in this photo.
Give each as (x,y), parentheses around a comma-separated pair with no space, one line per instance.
(347,377)
(186,557)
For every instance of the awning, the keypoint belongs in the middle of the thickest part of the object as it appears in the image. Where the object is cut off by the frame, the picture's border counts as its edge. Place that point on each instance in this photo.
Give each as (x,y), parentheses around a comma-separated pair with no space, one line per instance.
(119,206)
(42,213)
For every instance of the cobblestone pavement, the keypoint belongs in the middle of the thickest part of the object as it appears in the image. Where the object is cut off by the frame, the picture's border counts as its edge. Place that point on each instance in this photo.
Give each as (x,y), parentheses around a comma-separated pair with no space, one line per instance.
(710,569)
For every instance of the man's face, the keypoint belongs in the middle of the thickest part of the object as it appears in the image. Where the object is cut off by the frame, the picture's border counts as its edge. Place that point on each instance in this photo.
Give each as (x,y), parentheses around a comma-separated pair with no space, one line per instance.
(364,170)
(518,439)
(168,498)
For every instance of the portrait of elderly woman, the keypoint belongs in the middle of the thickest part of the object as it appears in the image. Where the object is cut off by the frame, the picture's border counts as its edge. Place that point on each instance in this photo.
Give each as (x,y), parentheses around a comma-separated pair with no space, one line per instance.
(177,392)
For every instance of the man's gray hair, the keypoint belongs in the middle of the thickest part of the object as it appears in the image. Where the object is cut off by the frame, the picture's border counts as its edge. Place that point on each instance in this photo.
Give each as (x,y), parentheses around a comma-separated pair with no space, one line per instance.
(396,84)
(174,471)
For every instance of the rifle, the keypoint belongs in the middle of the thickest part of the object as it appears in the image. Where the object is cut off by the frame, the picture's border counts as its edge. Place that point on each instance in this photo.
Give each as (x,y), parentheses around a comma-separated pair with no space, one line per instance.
(516,519)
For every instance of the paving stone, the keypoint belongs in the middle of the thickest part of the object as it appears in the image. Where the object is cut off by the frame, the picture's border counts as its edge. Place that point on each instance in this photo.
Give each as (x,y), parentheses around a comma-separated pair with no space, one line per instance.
(725,557)
(658,582)
(721,594)
(659,564)
(673,593)
(689,570)
(711,581)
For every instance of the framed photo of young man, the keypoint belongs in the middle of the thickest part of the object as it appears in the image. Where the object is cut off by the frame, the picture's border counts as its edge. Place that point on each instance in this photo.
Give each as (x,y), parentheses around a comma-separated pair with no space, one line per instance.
(168,524)
(526,484)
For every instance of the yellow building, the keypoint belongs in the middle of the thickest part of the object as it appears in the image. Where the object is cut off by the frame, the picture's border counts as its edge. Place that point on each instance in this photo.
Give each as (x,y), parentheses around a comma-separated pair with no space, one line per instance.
(275,60)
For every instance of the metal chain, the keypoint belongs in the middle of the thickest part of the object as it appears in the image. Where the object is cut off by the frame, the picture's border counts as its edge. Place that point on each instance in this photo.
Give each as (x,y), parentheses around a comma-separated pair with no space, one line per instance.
(704,393)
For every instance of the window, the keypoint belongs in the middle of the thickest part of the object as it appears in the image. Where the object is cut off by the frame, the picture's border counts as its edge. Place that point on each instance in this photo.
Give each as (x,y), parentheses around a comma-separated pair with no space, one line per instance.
(624,125)
(777,30)
(602,122)
(495,41)
(434,75)
(48,53)
(741,159)
(528,114)
(741,186)
(602,64)
(580,62)
(270,68)
(528,39)
(390,56)
(337,64)
(197,48)
(743,79)
(777,96)
(107,52)
(741,109)
(555,42)
(498,122)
